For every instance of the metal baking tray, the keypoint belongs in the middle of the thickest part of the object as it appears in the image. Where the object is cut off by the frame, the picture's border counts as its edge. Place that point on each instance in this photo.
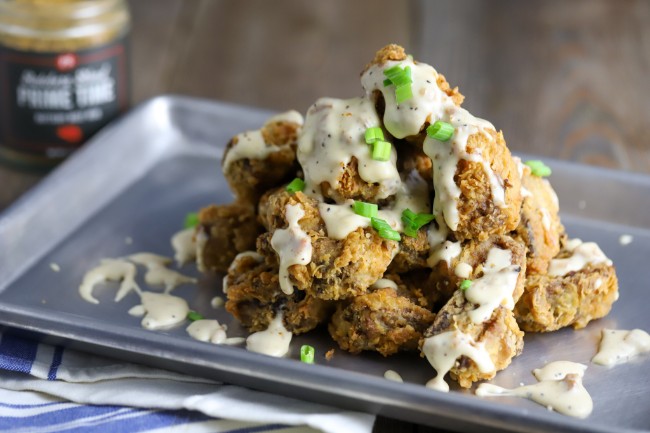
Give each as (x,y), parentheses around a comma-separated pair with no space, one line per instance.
(141,175)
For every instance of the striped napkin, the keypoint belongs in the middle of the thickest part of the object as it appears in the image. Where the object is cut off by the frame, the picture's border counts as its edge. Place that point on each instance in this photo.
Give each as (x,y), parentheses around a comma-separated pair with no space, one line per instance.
(46,389)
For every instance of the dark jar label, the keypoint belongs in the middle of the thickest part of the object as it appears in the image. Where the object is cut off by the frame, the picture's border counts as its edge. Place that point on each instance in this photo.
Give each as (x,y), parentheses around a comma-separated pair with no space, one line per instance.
(52,102)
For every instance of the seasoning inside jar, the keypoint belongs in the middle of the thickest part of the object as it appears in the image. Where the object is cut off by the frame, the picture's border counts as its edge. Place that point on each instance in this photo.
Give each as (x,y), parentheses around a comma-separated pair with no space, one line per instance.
(63,75)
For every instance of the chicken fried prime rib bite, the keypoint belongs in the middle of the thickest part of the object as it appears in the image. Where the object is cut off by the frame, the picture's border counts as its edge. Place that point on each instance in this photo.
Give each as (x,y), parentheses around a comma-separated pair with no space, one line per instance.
(337,268)
(475,333)
(255,161)
(477,187)
(540,227)
(223,232)
(335,158)
(580,286)
(390,318)
(254,297)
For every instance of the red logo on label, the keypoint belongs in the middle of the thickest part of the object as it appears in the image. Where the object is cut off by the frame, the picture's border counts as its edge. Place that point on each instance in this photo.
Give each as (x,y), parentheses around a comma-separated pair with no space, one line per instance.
(70,133)
(65,62)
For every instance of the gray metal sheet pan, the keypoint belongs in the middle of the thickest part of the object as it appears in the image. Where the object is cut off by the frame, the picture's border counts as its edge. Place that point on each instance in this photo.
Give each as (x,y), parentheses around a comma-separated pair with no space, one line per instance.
(139,178)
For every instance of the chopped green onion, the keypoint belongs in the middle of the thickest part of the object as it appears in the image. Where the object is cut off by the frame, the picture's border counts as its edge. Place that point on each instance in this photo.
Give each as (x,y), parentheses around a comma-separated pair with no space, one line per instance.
(413,222)
(402,79)
(393,71)
(465,284)
(194,316)
(384,229)
(296,185)
(538,168)
(307,354)
(441,131)
(391,235)
(364,209)
(191,220)
(381,151)
(374,134)
(403,93)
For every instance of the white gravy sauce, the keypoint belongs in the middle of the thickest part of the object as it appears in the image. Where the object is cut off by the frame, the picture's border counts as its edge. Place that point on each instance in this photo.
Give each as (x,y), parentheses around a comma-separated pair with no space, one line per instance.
(251,145)
(292,244)
(587,253)
(109,270)
(184,246)
(559,388)
(200,241)
(160,310)
(463,270)
(495,287)
(620,346)
(340,220)
(393,375)
(334,133)
(157,274)
(211,331)
(444,349)
(274,341)
(216,302)
(382,283)
(163,311)
(447,252)
(625,239)
(490,291)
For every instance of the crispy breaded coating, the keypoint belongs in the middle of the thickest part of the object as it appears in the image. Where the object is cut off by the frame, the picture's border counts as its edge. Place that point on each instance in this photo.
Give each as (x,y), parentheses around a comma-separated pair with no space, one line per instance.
(500,336)
(396,53)
(550,303)
(339,269)
(254,298)
(446,276)
(479,215)
(249,177)
(224,231)
(381,321)
(413,254)
(540,227)
(351,186)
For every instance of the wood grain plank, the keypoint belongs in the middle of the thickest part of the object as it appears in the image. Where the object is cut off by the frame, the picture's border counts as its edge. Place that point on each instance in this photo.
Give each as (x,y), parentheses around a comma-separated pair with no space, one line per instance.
(562,79)
(285,54)
(154,47)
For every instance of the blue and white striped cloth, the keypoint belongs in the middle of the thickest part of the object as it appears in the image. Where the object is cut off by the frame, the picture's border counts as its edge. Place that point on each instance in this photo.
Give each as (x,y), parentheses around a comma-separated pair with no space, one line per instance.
(47,389)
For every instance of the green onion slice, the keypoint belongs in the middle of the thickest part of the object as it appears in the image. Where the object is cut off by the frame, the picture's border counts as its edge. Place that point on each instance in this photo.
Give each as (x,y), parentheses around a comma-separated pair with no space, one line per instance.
(191,220)
(402,79)
(384,229)
(381,151)
(194,316)
(373,135)
(465,284)
(393,71)
(403,93)
(413,222)
(538,168)
(296,185)
(441,131)
(368,210)
(391,235)
(307,354)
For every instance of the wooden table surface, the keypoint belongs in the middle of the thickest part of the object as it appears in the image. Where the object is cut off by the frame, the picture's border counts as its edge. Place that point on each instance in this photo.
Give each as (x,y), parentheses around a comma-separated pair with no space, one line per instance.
(562,79)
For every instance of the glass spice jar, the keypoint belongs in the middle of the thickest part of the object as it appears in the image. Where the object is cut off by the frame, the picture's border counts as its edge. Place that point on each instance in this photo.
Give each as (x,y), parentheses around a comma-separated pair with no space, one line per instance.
(64,74)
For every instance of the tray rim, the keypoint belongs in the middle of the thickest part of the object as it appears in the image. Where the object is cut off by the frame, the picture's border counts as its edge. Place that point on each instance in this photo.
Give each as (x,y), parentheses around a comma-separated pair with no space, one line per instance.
(431,404)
